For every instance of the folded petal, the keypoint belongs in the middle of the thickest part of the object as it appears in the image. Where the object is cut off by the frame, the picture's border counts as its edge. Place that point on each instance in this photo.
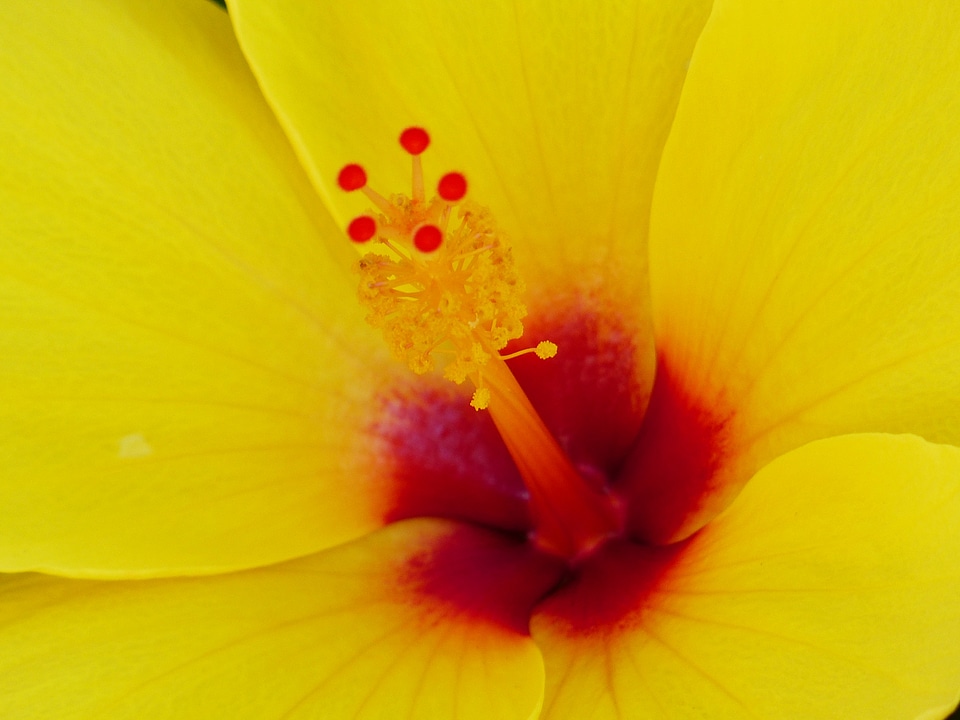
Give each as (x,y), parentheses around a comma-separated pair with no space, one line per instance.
(180,358)
(804,233)
(413,621)
(826,590)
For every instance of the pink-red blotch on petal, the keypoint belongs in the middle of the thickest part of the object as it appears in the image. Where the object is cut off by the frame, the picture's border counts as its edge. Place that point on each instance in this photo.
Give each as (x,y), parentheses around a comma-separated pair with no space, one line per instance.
(671,470)
(448,461)
(362,229)
(482,577)
(352,177)
(616,588)
(452,187)
(414,140)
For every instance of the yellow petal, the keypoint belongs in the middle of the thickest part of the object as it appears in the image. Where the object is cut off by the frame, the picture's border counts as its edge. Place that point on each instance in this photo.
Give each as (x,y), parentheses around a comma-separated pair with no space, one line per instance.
(828,589)
(804,243)
(356,632)
(180,361)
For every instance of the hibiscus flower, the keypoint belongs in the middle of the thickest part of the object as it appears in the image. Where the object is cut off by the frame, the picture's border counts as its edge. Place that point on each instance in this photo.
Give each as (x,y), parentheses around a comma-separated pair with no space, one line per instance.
(732,493)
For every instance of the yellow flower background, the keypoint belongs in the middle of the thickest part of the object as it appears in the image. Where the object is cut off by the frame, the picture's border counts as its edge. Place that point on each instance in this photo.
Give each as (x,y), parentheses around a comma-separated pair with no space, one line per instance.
(758,203)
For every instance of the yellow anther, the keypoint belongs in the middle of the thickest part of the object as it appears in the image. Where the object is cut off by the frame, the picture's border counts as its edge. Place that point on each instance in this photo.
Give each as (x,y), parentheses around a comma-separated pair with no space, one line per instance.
(463,299)
(481,399)
(546,350)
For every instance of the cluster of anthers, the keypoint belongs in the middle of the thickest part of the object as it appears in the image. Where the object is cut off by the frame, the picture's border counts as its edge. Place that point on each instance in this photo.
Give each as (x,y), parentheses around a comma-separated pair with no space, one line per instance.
(435,284)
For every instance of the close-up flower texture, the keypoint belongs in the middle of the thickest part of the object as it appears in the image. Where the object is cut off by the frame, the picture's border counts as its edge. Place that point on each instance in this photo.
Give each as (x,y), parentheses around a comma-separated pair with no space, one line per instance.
(466,360)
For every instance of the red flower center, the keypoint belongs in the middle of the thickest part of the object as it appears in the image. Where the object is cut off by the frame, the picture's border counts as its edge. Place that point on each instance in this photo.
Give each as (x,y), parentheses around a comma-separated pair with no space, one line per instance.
(449,461)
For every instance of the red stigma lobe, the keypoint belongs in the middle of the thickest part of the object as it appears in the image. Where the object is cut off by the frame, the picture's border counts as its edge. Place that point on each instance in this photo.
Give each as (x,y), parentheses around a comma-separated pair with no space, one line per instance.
(352,177)
(428,238)
(452,187)
(362,228)
(414,140)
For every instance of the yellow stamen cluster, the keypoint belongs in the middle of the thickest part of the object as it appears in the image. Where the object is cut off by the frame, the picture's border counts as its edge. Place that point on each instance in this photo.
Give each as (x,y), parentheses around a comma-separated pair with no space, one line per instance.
(462,300)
